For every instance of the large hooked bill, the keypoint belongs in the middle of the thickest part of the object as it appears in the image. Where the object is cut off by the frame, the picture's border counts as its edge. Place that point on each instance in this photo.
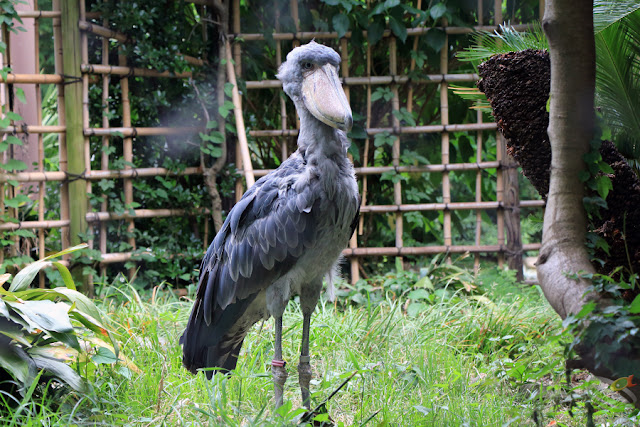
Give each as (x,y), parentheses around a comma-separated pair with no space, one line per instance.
(324,97)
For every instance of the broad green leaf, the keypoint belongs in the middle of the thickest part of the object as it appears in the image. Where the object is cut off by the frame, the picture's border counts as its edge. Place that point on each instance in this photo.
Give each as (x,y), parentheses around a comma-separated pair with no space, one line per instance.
(13,165)
(104,356)
(17,201)
(398,28)
(67,251)
(604,185)
(375,33)
(419,294)
(48,315)
(61,371)
(416,308)
(20,95)
(23,279)
(15,361)
(66,275)
(437,11)
(634,307)
(436,38)
(340,24)
(425,282)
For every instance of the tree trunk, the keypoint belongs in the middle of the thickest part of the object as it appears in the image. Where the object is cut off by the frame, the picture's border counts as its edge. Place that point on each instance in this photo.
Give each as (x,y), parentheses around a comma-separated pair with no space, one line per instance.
(568,25)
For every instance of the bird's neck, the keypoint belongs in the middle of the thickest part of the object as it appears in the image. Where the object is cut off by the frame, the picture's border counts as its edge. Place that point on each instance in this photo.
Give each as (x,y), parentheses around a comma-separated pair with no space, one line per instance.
(318,140)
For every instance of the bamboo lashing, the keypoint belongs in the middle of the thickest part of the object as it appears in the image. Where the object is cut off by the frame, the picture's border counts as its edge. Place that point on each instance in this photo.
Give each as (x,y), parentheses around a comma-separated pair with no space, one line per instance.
(237,111)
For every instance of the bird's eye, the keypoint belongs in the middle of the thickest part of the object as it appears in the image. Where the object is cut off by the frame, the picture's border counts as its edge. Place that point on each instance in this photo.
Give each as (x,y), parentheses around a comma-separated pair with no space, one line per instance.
(307,66)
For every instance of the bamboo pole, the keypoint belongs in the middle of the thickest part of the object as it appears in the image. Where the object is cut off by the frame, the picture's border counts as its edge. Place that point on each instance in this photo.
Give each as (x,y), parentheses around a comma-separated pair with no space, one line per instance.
(400,130)
(395,151)
(353,241)
(97,174)
(37,14)
(41,185)
(62,223)
(479,136)
(333,35)
(497,5)
(31,129)
(237,59)
(283,104)
(444,115)
(127,155)
(65,240)
(4,97)
(143,213)
(367,142)
(122,70)
(104,156)
(141,131)
(237,110)
(158,213)
(429,250)
(378,80)
(32,78)
(71,61)
(90,291)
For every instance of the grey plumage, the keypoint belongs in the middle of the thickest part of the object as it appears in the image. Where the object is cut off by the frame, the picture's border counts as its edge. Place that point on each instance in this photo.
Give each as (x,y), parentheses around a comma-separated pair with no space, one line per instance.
(286,232)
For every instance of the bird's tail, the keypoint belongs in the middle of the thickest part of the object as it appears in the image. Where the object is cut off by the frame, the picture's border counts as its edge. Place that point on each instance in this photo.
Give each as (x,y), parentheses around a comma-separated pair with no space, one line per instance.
(214,345)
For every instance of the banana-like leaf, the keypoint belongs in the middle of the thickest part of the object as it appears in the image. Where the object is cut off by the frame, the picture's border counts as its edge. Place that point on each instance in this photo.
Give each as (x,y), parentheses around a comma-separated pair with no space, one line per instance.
(60,370)
(15,361)
(23,279)
(66,275)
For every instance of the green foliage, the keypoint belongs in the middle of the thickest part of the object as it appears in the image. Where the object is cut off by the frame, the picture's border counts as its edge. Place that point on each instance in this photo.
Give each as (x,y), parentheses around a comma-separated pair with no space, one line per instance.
(618,81)
(50,330)
(610,330)
(505,40)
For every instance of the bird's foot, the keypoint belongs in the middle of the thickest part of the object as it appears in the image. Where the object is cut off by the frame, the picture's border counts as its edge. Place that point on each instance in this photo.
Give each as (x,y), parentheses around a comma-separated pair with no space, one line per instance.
(304,378)
(279,373)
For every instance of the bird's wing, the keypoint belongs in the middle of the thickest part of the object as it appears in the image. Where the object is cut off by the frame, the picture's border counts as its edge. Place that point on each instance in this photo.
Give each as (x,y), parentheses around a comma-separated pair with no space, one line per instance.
(262,237)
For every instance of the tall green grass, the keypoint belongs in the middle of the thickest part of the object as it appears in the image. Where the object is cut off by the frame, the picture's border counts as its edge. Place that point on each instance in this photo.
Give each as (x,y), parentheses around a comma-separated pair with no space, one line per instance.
(486,360)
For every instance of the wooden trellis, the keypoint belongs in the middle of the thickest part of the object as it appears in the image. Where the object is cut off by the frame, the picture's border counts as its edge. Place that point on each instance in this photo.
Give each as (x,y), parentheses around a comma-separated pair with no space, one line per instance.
(73,26)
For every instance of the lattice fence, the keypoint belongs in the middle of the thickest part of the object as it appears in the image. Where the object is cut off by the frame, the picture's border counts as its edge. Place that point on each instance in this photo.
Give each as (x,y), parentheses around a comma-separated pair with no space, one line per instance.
(75,30)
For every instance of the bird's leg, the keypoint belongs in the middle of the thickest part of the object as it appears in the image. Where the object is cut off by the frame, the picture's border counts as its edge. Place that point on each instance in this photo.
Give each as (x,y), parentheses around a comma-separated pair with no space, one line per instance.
(304,367)
(278,365)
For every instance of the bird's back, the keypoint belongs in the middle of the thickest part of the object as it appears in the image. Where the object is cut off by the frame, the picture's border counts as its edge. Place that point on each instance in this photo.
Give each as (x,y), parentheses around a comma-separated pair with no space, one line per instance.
(292,224)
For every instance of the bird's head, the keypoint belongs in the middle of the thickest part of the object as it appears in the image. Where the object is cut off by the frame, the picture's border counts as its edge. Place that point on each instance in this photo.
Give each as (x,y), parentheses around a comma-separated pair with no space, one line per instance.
(310,77)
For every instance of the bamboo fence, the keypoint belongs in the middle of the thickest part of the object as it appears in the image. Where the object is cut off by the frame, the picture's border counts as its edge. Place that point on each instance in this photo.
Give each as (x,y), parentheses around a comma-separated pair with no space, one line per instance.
(74,75)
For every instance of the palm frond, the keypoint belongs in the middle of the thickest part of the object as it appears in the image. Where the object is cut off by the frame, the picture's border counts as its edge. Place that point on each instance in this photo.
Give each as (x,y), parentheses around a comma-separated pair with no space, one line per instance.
(618,86)
(480,101)
(507,39)
(608,12)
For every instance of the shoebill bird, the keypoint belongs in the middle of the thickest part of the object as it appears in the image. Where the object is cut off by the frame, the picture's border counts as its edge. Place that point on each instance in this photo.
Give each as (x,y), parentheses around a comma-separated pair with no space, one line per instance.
(285,234)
